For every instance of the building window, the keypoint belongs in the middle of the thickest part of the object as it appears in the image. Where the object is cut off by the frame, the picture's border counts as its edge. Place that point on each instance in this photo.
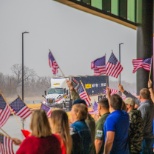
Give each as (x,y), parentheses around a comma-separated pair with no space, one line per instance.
(138,11)
(106,5)
(87,1)
(97,4)
(114,7)
(131,10)
(123,8)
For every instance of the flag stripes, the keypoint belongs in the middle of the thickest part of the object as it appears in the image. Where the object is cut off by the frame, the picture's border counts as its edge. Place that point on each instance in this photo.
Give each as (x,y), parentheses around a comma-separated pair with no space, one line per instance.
(99,66)
(6,145)
(4,116)
(52,63)
(46,109)
(83,95)
(24,112)
(20,109)
(141,63)
(113,66)
(113,91)
(99,70)
(4,111)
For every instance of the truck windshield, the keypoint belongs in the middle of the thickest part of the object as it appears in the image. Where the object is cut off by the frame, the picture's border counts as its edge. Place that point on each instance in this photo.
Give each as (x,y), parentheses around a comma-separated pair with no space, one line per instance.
(55,91)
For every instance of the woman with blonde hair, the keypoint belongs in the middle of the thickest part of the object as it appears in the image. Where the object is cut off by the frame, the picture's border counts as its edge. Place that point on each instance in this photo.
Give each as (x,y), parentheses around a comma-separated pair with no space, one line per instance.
(79,128)
(60,127)
(41,140)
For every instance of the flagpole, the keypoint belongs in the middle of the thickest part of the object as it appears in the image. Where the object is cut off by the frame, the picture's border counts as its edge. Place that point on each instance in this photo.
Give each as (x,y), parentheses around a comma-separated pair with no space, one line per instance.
(5,133)
(14,115)
(58,65)
(22,120)
(151,67)
(120,60)
(107,81)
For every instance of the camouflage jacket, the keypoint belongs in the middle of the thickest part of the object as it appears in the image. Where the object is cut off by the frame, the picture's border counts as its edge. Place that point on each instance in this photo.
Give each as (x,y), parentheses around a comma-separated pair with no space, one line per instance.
(135,131)
(74,95)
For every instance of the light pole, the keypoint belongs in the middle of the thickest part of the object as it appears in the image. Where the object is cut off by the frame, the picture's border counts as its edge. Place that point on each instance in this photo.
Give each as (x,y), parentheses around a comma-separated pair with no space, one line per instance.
(120,60)
(23,64)
(22,120)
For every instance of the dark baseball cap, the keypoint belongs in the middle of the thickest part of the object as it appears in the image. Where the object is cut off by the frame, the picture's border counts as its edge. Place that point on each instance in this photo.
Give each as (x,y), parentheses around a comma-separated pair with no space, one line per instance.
(79,101)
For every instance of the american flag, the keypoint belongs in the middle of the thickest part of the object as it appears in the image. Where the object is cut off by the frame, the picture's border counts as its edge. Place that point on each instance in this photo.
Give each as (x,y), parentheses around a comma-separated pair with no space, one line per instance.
(52,63)
(46,109)
(113,66)
(83,95)
(75,83)
(4,111)
(6,145)
(19,108)
(95,108)
(142,63)
(99,66)
(113,91)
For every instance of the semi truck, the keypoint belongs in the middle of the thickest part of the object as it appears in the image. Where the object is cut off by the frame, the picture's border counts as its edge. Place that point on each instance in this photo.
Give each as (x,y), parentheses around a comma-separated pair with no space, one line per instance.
(58,94)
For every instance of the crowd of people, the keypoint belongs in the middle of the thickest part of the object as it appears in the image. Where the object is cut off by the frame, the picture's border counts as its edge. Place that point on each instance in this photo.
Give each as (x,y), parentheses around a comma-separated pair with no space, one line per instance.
(120,127)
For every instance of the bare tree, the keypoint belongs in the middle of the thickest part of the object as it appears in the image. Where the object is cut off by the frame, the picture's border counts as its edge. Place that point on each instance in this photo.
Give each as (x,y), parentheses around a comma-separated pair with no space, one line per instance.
(17,71)
(2,82)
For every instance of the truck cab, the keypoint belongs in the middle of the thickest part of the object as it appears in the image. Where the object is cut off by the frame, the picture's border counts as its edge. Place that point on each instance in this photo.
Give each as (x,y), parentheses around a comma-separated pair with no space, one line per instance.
(57,94)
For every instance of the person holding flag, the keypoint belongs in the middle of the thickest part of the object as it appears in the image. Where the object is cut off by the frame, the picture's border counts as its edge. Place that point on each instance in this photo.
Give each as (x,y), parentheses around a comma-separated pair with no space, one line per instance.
(41,141)
(6,144)
(145,106)
(89,120)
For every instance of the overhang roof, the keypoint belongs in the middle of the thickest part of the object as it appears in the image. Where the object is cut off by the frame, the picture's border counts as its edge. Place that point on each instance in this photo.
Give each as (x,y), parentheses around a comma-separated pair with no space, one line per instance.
(88,10)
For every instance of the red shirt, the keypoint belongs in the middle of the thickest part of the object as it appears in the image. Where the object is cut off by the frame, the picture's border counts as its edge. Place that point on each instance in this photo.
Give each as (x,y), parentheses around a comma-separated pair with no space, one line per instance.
(63,147)
(43,145)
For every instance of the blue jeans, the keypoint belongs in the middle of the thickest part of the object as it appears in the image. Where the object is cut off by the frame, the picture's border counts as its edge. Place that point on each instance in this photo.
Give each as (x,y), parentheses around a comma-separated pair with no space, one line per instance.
(147,146)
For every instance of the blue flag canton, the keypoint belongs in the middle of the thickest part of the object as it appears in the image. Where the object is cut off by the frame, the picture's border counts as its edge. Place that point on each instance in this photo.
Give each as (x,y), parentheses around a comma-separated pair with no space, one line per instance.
(1,138)
(148,61)
(95,106)
(100,61)
(2,103)
(17,105)
(113,59)
(45,108)
(51,56)
(80,90)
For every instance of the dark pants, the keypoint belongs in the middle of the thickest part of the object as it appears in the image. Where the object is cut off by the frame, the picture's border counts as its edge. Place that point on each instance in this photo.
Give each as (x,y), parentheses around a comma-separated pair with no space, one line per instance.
(147,146)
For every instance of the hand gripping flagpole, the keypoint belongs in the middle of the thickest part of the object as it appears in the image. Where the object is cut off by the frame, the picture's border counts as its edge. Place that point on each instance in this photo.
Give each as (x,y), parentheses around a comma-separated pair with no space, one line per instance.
(58,65)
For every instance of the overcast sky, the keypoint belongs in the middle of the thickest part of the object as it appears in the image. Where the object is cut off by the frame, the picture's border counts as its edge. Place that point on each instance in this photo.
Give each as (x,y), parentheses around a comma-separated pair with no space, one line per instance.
(76,38)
